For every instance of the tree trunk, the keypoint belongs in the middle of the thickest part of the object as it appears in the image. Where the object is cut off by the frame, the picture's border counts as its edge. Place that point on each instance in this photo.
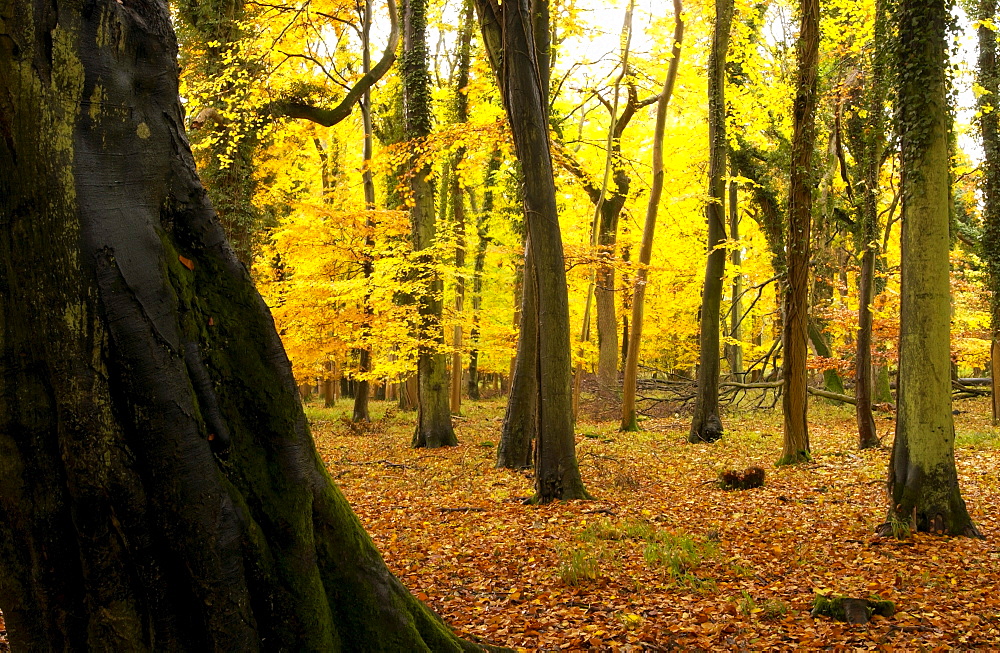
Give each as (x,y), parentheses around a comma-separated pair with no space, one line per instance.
(923,482)
(457,193)
(864,377)
(360,413)
(159,488)
(520,422)
(794,402)
(989,125)
(478,266)
(706,426)
(736,307)
(507,30)
(629,417)
(434,427)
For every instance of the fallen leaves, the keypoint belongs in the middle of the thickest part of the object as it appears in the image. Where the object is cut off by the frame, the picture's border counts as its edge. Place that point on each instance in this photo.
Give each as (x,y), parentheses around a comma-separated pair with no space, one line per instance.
(456,531)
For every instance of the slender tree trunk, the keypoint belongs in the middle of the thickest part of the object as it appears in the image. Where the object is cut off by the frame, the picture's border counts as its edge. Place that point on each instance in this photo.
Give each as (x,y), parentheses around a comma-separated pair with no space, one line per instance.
(457,193)
(478,267)
(923,483)
(864,377)
(794,401)
(706,426)
(434,427)
(604,234)
(867,138)
(160,489)
(368,266)
(736,309)
(989,125)
(629,416)
(507,29)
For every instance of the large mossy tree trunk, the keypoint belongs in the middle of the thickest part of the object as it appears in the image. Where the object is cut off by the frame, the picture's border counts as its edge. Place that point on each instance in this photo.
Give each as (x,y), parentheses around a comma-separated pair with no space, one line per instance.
(159,488)
(794,402)
(706,425)
(434,428)
(989,125)
(923,482)
(508,36)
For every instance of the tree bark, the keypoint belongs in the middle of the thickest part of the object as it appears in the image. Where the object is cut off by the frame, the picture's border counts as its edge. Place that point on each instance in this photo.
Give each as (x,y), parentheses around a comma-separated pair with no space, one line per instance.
(361,413)
(736,307)
(457,197)
(478,266)
(159,488)
(706,426)
(794,402)
(434,428)
(989,125)
(520,421)
(507,30)
(923,482)
(629,417)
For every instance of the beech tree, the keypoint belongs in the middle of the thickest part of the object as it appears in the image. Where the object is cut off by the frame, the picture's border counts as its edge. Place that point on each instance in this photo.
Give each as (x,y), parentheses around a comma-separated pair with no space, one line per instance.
(989,126)
(706,425)
(796,325)
(434,427)
(923,482)
(159,488)
(508,34)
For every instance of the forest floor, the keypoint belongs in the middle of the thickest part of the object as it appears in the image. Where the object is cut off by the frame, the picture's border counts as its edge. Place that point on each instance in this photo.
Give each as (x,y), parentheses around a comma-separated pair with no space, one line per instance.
(663,558)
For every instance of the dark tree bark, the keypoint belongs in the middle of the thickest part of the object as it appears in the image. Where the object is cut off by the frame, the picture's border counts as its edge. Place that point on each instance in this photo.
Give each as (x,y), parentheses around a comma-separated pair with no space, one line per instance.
(923,483)
(794,401)
(507,30)
(159,488)
(434,428)
(520,422)
(706,425)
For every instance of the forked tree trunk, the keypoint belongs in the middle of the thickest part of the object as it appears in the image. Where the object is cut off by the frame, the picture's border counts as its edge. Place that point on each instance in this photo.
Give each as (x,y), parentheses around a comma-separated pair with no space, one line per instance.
(159,488)
(629,417)
(794,403)
(706,425)
(507,33)
(434,427)
(923,482)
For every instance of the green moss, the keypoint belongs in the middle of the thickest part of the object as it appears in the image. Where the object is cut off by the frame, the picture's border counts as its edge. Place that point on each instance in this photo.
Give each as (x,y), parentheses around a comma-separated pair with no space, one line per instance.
(833,607)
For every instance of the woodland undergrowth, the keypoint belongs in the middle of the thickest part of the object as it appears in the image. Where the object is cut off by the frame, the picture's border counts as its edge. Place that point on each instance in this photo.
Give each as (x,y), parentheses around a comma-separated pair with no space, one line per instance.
(664,557)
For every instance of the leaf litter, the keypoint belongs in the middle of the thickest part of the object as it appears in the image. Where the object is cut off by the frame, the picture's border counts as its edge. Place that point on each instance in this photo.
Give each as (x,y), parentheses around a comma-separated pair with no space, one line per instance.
(663,558)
